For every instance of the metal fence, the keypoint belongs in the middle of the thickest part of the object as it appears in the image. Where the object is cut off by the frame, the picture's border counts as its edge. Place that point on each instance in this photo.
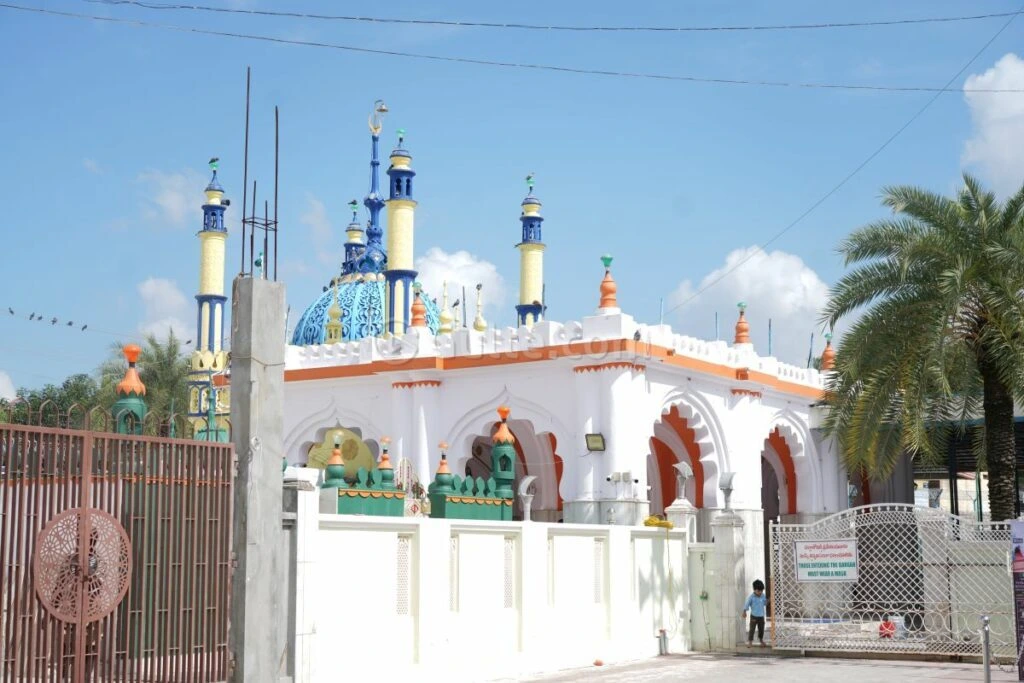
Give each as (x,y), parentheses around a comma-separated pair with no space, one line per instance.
(114,556)
(929,574)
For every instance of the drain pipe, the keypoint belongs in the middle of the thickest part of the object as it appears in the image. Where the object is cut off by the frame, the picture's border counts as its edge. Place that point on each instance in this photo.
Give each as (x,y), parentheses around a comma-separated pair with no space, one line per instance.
(662,642)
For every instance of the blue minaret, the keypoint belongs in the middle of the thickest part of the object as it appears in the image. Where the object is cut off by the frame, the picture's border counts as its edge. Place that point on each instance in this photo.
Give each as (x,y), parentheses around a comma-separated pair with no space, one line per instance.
(209,406)
(212,239)
(374,259)
(531,306)
(355,246)
(400,274)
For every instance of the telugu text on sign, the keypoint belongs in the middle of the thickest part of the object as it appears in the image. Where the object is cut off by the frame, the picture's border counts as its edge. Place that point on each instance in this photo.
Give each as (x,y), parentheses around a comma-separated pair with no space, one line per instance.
(834,560)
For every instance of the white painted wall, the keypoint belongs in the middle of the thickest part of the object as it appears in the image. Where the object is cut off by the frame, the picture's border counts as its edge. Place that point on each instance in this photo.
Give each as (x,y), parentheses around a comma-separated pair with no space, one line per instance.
(383,598)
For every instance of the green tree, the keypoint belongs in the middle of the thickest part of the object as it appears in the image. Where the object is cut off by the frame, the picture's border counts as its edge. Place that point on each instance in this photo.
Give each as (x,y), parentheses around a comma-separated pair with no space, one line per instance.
(939,338)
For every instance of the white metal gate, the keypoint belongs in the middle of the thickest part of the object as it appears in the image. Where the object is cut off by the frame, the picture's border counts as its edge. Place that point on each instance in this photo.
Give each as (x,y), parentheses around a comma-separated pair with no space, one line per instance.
(931,573)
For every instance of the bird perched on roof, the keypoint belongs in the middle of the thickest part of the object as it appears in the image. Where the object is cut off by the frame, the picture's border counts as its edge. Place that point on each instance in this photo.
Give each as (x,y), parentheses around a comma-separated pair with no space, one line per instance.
(214,160)
(636,336)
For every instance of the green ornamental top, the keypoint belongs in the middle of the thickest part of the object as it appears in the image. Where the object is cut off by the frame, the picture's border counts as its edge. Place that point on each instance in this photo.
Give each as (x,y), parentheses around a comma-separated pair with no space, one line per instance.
(607,260)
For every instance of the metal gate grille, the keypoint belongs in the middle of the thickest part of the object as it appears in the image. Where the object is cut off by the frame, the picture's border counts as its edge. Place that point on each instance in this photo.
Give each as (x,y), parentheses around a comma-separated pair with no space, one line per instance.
(932,574)
(156,513)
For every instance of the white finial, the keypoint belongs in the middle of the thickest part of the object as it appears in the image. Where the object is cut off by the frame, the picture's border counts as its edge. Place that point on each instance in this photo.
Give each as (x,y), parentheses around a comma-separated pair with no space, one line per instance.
(479,324)
(446,317)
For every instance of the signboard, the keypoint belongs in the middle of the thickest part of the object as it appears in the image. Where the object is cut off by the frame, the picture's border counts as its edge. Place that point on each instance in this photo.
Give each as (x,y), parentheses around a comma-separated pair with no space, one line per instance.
(834,560)
(1017,563)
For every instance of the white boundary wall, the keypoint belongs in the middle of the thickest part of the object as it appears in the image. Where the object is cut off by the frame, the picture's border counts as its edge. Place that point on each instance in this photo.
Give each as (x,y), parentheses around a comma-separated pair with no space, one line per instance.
(382,598)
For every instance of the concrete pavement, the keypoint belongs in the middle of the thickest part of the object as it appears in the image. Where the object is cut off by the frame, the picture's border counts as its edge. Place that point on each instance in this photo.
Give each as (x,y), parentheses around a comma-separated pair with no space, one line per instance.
(769,669)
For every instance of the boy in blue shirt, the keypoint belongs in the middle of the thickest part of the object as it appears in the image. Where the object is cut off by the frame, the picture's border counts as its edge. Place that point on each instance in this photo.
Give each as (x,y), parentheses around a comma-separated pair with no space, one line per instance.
(756,604)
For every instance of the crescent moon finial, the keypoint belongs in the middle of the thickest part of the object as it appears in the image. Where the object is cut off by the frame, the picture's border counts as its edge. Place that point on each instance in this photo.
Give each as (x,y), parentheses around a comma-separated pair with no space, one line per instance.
(376,119)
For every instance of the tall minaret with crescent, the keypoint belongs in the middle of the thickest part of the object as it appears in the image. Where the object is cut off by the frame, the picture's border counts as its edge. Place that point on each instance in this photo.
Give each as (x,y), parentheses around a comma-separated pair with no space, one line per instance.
(531,261)
(209,405)
(401,208)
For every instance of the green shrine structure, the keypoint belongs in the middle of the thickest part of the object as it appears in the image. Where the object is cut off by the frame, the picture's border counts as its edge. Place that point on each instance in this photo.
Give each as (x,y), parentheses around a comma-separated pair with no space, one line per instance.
(487,499)
(130,408)
(369,491)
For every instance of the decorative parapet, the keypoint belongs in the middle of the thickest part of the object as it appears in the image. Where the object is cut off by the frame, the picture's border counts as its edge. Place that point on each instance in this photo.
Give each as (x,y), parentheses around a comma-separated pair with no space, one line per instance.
(596,341)
(579,369)
(413,385)
(469,499)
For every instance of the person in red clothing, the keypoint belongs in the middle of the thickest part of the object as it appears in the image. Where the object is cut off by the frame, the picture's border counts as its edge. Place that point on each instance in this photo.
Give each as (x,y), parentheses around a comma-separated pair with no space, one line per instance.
(886,629)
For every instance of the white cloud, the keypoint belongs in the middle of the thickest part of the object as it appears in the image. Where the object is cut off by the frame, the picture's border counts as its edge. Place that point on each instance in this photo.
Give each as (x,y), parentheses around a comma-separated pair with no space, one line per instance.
(775,285)
(994,146)
(326,244)
(173,198)
(165,308)
(91,166)
(461,269)
(7,390)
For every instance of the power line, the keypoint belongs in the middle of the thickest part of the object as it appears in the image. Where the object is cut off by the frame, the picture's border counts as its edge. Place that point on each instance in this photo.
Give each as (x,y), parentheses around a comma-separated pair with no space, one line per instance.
(514,65)
(552,27)
(71,326)
(857,169)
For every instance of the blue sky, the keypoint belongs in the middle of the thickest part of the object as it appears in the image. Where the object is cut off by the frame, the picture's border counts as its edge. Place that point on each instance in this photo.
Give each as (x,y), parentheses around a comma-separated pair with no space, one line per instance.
(108,128)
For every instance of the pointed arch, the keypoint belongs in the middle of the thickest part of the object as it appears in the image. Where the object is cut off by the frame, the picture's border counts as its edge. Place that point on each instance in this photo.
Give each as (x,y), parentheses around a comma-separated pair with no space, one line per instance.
(700,426)
(306,432)
(795,431)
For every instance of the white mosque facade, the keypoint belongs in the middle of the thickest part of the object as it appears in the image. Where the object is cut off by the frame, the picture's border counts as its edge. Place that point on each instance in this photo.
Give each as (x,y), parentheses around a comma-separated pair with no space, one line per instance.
(601,408)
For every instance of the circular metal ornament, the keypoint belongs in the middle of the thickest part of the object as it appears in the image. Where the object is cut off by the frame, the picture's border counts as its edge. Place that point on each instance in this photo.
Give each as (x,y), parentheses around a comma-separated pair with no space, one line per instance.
(58,573)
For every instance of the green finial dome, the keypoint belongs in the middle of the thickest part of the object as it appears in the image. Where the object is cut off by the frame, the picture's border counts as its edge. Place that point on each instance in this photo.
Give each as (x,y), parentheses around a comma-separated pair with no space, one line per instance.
(607,260)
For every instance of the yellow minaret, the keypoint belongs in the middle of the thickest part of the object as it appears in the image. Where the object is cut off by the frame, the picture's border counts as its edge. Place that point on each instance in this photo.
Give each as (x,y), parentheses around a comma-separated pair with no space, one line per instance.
(401,212)
(332,329)
(531,261)
(209,404)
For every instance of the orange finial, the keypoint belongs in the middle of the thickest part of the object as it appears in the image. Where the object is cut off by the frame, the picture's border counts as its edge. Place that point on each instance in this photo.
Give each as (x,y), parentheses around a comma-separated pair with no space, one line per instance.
(385,461)
(442,467)
(131,384)
(742,326)
(419,311)
(608,286)
(828,356)
(503,435)
(336,458)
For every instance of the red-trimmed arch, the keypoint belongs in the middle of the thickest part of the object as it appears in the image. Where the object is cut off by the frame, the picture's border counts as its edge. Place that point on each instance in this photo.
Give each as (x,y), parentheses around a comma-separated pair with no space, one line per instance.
(665,458)
(781,448)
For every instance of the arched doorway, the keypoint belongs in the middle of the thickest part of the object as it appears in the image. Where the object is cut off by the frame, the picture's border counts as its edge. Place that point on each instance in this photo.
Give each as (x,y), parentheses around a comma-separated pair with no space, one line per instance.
(536,454)
(674,441)
(778,485)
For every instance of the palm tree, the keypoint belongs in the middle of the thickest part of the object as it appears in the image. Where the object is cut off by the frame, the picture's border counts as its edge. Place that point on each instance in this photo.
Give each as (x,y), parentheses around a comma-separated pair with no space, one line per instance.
(939,339)
(163,368)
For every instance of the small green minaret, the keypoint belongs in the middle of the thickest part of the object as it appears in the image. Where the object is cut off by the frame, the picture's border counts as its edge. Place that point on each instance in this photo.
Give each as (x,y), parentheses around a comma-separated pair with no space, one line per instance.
(503,456)
(130,408)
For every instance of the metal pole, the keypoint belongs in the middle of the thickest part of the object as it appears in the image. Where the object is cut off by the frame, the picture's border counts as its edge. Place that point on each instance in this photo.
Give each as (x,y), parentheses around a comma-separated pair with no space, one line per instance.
(245,163)
(986,655)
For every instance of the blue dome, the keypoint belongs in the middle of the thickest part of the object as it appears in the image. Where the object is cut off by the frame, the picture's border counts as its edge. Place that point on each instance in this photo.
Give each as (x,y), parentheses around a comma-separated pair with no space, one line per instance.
(362,313)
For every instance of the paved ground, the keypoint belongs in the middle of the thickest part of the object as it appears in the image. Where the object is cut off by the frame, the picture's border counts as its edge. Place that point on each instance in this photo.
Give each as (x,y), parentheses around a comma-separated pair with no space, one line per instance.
(768,669)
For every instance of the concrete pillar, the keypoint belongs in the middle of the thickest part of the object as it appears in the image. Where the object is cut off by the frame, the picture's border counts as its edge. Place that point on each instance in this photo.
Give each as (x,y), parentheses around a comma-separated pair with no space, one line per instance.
(256,639)
(683,516)
(727,530)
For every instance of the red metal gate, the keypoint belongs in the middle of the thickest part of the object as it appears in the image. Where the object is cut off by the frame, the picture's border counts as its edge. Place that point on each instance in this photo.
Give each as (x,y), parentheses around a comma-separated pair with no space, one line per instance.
(148,601)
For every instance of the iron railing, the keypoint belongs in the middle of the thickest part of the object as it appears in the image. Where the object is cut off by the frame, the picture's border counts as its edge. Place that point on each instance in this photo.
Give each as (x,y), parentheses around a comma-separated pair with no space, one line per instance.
(147,600)
(930,574)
